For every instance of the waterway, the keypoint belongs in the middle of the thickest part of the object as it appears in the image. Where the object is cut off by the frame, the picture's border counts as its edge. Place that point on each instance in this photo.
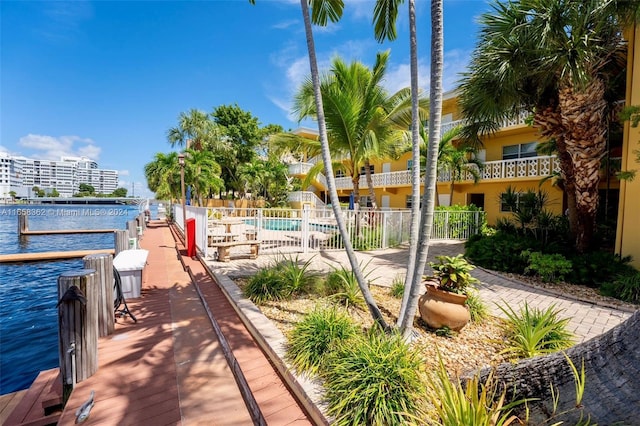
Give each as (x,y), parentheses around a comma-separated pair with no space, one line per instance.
(28,291)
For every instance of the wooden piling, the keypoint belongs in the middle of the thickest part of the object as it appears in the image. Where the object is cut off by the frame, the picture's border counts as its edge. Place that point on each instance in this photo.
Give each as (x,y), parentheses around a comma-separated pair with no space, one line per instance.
(103,265)
(121,240)
(132,228)
(78,327)
(23,223)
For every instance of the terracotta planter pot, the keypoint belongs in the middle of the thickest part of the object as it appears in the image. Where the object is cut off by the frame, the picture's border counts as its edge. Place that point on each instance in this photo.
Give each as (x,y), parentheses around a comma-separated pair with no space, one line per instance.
(440,308)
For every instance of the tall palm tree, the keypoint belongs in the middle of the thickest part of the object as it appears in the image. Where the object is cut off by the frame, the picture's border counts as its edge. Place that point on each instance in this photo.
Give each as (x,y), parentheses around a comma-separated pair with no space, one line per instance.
(163,176)
(357,111)
(553,57)
(457,160)
(324,10)
(385,15)
(202,173)
(195,130)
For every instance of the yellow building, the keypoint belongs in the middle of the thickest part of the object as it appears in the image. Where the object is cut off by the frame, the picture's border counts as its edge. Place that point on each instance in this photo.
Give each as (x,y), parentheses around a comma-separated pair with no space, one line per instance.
(510,159)
(628,230)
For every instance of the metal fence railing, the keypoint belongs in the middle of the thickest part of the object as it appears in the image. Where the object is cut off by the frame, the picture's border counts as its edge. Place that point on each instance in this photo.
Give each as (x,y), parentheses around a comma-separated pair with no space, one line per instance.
(295,230)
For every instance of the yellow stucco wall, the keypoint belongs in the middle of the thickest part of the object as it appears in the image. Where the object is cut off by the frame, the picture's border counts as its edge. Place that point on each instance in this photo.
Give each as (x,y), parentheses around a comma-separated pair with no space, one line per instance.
(628,232)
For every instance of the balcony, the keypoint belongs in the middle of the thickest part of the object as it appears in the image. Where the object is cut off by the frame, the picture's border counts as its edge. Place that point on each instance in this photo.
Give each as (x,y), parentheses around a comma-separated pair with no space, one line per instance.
(522,168)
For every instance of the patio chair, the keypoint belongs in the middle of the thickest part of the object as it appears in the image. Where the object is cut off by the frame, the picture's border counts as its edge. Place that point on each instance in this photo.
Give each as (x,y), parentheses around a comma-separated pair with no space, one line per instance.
(118,299)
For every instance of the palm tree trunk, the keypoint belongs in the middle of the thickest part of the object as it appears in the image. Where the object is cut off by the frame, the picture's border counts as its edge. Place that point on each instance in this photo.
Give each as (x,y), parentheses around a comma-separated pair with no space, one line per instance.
(435,116)
(372,193)
(331,184)
(584,113)
(550,124)
(414,231)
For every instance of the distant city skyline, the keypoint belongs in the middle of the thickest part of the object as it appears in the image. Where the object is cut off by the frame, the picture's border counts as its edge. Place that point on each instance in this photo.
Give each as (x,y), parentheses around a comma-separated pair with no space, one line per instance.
(20,174)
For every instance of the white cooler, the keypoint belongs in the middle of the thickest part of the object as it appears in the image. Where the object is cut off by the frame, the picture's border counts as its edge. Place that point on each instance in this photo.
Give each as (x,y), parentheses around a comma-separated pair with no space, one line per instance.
(130,266)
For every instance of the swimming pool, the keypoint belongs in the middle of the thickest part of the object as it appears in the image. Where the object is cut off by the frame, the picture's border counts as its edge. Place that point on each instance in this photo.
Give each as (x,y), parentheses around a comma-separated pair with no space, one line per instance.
(288,224)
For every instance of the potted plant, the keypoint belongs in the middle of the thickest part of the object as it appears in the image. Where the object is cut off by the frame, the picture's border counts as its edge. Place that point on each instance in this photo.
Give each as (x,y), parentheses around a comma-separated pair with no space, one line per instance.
(444,303)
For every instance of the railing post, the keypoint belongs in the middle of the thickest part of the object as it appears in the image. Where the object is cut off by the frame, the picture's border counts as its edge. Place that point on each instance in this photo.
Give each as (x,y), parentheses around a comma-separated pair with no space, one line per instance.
(102,263)
(78,327)
(121,240)
(304,228)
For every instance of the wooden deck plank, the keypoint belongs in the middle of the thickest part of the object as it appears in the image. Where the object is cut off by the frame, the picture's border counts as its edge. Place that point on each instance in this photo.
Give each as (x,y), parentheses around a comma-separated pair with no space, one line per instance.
(8,402)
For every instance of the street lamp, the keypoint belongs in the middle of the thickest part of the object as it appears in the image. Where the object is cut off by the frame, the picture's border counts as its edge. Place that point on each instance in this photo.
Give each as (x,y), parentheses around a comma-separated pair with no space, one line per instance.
(184,209)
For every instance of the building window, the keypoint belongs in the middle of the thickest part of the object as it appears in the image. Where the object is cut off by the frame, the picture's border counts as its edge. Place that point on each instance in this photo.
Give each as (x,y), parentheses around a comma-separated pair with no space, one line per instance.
(409,164)
(523,150)
(371,169)
(408,202)
(339,173)
(504,207)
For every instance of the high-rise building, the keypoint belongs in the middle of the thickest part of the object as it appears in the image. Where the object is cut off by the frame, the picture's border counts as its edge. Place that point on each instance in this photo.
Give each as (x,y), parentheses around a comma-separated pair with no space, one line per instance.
(20,174)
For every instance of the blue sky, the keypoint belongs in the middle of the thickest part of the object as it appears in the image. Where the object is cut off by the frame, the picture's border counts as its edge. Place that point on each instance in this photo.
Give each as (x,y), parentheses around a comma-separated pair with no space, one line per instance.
(107,79)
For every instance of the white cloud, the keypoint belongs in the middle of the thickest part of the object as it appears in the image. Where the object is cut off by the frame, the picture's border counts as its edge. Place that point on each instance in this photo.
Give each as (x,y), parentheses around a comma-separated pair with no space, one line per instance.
(286,24)
(123,172)
(455,62)
(52,148)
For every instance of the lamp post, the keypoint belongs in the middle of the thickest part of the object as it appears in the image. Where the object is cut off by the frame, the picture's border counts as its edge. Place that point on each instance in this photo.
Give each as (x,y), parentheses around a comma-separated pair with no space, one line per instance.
(184,209)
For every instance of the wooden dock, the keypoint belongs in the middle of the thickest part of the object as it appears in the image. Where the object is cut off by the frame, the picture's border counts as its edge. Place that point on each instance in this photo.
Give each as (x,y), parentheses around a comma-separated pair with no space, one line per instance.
(66,231)
(50,255)
(169,368)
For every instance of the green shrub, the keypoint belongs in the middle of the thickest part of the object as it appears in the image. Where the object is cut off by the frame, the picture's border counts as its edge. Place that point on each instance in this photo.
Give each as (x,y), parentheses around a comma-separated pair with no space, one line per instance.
(342,286)
(594,268)
(283,279)
(397,287)
(297,277)
(477,308)
(314,336)
(374,380)
(266,285)
(532,331)
(500,252)
(625,286)
(549,267)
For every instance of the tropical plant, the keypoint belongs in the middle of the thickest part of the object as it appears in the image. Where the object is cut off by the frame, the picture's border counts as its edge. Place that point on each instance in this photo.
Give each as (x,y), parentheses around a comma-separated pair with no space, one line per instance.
(297,275)
(549,267)
(202,174)
(342,286)
(163,176)
(478,310)
(357,111)
(532,331)
(457,161)
(397,287)
(374,380)
(316,335)
(265,286)
(552,57)
(471,403)
(625,286)
(196,130)
(453,273)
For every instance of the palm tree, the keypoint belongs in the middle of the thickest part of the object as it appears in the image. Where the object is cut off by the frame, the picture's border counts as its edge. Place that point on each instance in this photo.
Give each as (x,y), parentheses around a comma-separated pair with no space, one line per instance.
(357,117)
(385,15)
(457,160)
(195,130)
(202,173)
(553,57)
(324,10)
(163,176)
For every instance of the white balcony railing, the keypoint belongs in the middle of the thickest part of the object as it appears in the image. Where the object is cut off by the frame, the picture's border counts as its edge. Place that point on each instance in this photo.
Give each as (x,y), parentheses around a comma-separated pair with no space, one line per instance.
(534,167)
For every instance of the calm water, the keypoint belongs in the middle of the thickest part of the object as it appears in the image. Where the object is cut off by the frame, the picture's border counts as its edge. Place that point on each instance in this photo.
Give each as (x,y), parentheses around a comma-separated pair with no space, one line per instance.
(28,291)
